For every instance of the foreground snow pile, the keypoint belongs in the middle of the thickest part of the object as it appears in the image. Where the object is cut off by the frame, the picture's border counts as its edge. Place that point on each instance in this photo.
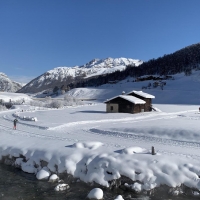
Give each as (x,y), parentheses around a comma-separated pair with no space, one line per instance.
(95,193)
(61,187)
(44,173)
(94,165)
(119,197)
(53,178)
(106,148)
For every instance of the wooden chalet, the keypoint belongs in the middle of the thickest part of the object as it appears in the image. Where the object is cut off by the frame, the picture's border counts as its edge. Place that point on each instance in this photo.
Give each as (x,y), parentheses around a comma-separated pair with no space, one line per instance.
(145,97)
(125,104)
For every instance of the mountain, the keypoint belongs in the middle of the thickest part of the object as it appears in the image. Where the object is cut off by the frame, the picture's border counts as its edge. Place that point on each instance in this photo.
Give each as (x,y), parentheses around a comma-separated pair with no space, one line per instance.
(7,85)
(184,60)
(65,75)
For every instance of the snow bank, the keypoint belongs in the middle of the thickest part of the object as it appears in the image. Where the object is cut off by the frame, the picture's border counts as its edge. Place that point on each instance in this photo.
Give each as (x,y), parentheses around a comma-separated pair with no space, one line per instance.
(93,165)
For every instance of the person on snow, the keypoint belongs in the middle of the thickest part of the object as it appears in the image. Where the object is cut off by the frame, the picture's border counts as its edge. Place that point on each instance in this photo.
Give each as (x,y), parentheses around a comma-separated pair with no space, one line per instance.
(15,123)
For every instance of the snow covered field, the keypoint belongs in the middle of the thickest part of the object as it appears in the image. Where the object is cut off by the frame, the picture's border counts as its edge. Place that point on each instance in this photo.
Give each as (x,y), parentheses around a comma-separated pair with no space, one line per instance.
(93,145)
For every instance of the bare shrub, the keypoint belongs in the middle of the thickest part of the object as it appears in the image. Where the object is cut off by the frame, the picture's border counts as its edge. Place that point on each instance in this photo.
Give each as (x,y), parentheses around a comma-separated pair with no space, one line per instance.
(37,103)
(2,108)
(70,101)
(56,104)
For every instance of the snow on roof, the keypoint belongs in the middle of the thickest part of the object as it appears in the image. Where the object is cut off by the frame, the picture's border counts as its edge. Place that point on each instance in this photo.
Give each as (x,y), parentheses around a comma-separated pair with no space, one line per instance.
(142,94)
(132,99)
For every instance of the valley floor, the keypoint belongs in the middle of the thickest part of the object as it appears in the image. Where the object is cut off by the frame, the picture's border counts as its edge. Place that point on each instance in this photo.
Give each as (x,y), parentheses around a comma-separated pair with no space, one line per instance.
(93,145)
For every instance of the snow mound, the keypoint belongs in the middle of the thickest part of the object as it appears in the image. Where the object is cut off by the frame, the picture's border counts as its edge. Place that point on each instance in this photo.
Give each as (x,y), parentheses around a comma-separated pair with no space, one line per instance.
(119,197)
(133,150)
(53,178)
(88,145)
(156,109)
(44,173)
(95,193)
(137,187)
(25,118)
(61,187)
(26,166)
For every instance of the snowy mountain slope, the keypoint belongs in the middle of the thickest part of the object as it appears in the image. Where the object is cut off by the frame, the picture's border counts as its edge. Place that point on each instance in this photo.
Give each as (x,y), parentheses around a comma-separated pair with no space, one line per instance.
(64,75)
(182,90)
(7,85)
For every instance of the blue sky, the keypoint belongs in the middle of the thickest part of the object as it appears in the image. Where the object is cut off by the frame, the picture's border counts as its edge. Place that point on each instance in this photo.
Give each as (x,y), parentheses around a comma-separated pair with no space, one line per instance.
(39,35)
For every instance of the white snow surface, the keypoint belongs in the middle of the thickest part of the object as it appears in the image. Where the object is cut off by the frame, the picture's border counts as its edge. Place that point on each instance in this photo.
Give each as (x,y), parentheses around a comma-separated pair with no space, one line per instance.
(7,96)
(93,145)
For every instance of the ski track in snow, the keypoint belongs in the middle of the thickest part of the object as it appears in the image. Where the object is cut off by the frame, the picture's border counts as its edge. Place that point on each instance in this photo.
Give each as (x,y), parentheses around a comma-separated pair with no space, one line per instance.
(30,134)
(134,137)
(125,120)
(102,133)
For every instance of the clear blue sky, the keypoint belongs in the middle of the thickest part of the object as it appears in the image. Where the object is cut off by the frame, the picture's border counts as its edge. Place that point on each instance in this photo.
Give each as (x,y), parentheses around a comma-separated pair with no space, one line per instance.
(39,35)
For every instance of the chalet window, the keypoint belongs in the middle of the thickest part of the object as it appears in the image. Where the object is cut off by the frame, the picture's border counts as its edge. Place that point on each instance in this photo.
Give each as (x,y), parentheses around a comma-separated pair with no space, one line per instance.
(128,106)
(111,107)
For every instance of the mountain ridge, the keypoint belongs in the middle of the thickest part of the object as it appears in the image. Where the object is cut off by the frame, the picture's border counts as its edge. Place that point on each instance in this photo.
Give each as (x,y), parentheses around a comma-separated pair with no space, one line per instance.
(65,75)
(7,85)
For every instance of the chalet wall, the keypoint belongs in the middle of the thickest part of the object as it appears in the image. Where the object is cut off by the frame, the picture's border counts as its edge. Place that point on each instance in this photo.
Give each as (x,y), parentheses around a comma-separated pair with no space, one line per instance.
(124,106)
(138,108)
(112,108)
(147,105)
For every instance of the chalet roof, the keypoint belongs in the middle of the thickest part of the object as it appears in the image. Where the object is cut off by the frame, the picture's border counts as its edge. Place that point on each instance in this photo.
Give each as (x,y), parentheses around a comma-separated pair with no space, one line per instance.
(130,98)
(142,94)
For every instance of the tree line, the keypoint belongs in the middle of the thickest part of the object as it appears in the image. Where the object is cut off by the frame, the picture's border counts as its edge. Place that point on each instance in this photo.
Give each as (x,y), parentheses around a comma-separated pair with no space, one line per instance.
(184,60)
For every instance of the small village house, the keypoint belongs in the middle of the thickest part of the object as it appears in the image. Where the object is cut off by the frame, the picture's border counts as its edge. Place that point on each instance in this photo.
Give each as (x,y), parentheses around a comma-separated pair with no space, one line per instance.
(145,97)
(125,104)
(132,102)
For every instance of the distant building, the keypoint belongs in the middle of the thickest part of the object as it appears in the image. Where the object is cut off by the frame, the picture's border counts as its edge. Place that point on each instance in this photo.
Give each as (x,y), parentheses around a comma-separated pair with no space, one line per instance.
(132,102)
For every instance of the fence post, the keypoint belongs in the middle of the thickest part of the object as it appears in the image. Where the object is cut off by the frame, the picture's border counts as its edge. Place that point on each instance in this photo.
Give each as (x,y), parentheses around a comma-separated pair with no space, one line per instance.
(153,151)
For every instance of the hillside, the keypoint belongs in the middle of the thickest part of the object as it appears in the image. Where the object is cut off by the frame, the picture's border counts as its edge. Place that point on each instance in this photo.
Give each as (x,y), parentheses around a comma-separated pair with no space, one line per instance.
(7,85)
(184,60)
(66,75)
(180,89)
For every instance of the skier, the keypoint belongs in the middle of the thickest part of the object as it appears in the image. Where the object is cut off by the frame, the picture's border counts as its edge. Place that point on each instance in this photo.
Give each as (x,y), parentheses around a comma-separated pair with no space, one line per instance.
(15,123)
